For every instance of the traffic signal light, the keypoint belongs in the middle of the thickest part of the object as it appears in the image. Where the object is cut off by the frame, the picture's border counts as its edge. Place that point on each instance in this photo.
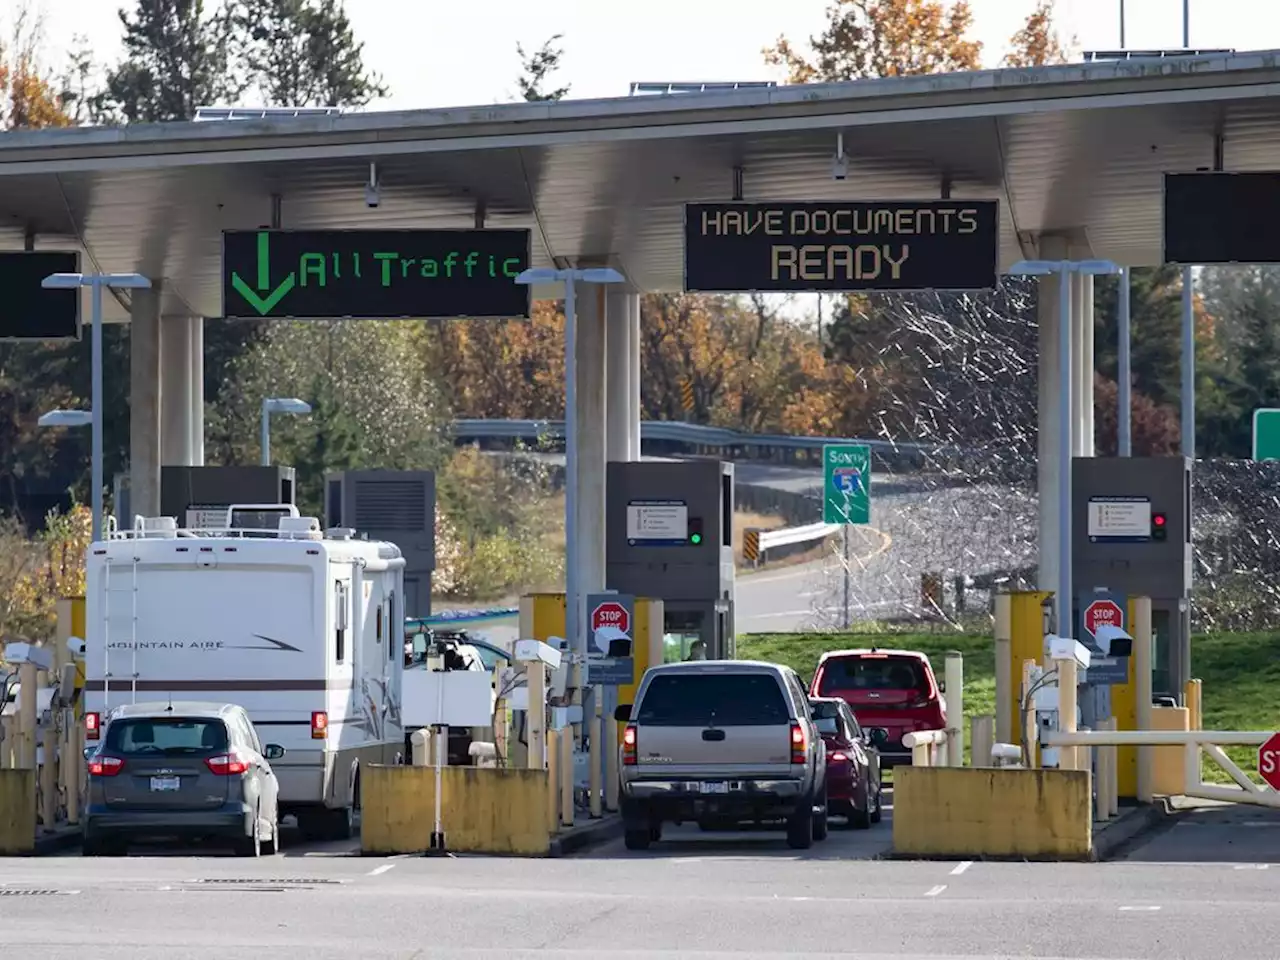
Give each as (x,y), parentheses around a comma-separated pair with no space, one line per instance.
(695,530)
(1159,526)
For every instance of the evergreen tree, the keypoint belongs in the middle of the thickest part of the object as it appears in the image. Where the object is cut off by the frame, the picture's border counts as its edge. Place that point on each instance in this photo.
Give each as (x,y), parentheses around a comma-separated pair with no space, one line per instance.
(538,66)
(332,443)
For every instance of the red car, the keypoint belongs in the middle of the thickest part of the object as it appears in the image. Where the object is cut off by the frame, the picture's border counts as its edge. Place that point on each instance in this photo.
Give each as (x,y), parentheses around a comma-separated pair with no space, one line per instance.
(891,690)
(853,763)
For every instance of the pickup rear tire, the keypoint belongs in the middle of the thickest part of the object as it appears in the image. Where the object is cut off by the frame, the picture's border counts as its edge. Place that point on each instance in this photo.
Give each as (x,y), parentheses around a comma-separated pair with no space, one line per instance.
(821,825)
(638,839)
(800,826)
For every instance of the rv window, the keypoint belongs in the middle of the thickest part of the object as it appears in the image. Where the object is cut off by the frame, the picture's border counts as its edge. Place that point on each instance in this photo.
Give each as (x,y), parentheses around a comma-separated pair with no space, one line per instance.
(377,626)
(340,621)
(391,647)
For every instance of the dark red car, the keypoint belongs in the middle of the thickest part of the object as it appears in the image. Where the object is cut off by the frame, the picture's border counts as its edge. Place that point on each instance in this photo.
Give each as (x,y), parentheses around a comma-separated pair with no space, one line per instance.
(892,690)
(853,763)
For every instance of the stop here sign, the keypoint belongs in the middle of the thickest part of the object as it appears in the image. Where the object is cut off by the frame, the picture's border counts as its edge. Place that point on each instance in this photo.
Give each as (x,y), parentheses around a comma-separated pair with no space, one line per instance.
(611,614)
(1269,761)
(1102,613)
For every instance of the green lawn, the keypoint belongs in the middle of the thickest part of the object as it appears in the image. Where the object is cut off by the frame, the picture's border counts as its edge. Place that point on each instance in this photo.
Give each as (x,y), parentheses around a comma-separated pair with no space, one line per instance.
(1240,673)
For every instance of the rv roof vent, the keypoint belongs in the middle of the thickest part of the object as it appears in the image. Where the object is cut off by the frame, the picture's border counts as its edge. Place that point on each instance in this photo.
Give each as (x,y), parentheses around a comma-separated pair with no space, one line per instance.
(157,526)
(299,528)
(339,533)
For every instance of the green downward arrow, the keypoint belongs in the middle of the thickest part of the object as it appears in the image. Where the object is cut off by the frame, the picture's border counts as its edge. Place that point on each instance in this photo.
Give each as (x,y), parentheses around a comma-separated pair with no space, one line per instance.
(263,304)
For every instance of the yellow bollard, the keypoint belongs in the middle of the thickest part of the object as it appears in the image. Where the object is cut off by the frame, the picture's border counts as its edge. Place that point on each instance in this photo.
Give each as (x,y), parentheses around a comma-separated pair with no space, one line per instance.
(553,780)
(1195,703)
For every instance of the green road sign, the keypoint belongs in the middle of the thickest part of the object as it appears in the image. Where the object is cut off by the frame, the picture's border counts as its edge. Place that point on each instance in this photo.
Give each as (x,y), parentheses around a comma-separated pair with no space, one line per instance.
(1266,434)
(846,483)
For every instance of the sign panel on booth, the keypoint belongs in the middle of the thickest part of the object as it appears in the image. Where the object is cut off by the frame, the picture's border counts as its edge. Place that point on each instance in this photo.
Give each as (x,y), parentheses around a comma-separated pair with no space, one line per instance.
(1221,217)
(382,274)
(27,310)
(610,645)
(1269,761)
(1099,609)
(838,246)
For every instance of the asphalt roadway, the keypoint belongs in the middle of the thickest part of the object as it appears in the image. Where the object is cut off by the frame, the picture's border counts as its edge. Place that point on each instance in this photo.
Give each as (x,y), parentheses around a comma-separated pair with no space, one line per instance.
(1203,888)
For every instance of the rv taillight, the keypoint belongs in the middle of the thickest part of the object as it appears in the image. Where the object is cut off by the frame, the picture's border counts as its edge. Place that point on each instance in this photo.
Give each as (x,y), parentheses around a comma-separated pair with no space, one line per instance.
(319,725)
(92,726)
(629,746)
(227,765)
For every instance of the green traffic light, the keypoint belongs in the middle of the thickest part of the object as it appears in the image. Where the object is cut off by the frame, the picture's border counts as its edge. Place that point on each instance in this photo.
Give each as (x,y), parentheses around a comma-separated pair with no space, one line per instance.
(695,538)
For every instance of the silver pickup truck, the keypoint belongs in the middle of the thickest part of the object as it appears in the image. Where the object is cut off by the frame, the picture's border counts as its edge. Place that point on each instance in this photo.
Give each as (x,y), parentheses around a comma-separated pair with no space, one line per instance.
(726,741)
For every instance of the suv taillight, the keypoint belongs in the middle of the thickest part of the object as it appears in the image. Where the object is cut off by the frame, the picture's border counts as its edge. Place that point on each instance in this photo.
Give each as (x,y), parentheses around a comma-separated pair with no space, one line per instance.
(319,725)
(92,726)
(629,746)
(799,743)
(105,766)
(919,703)
(227,765)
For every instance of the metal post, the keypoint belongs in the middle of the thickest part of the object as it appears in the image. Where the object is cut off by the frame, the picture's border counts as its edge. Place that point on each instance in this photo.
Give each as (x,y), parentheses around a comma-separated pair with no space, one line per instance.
(1121,24)
(1124,373)
(1186,24)
(1064,451)
(953,672)
(1142,657)
(1005,700)
(95,458)
(266,433)
(572,557)
(1188,367)
(848,585)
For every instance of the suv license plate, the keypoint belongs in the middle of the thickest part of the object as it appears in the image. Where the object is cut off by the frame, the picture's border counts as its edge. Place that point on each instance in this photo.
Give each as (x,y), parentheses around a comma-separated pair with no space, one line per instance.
(717,786)
(160,784)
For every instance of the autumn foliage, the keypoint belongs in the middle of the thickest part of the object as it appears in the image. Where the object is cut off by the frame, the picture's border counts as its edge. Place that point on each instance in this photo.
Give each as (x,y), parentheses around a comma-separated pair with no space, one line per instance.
(35,573)
(28,100)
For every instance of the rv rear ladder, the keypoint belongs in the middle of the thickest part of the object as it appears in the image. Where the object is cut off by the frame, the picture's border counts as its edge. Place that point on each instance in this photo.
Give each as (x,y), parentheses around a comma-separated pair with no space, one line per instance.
(125,632)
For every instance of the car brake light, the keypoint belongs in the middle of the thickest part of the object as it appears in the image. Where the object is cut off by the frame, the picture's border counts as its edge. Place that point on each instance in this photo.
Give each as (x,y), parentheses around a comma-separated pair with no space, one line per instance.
(319,725)
(629,746)
(839,757)
(105,766)
(799,743)
(227,765)
(92,726)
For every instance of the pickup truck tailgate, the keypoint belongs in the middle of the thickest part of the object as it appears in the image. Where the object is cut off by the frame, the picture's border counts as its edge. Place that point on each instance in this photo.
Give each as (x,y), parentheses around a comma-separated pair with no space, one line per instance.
(711,724)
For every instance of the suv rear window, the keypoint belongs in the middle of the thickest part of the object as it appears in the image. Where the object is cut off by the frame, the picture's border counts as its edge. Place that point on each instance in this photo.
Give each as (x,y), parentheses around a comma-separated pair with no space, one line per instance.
(719,699)
(873,673)
(165,736)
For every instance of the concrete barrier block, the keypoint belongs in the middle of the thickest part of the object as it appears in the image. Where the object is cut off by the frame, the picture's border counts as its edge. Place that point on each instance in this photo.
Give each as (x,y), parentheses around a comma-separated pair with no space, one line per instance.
(17,812)
(483,810)
(974,813)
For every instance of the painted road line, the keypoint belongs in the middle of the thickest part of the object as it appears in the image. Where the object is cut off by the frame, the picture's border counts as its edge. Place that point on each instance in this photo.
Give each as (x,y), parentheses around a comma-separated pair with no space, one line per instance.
(1131,909)
(377,871)
(961,867)
(936,890)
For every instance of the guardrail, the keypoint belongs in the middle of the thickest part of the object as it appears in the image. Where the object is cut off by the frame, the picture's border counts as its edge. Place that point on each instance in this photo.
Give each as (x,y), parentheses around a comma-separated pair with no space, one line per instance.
(757,543)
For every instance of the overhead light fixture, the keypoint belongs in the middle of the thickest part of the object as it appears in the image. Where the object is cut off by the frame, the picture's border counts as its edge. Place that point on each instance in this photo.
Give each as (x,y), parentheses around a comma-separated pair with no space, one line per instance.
(840,163)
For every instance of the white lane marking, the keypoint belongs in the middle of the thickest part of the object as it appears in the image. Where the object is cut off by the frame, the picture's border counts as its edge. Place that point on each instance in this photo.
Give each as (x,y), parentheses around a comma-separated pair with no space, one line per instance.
(1140,909)
(1252,866)
(376,871)
(961,867)
(936,890)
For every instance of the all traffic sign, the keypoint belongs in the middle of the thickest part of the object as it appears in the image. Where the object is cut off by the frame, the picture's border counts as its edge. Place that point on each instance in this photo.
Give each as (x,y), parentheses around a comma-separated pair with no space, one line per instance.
(1103,613)
(1269,761)
(611,613)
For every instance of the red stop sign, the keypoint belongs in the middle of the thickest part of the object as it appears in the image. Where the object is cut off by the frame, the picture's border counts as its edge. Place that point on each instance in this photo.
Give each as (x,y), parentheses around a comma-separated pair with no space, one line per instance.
(1102,613)
(1269,761)
(610,614)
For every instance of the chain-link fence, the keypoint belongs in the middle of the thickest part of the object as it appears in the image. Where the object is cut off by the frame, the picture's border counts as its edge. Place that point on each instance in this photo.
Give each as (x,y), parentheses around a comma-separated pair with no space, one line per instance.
(961,376)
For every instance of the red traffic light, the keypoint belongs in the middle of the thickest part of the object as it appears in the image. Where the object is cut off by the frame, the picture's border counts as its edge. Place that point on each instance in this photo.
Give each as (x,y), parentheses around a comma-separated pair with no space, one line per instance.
(1158,519)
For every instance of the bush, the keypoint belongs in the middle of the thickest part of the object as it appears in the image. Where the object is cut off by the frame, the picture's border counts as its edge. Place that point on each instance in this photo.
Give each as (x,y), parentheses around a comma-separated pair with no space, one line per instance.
(36,572)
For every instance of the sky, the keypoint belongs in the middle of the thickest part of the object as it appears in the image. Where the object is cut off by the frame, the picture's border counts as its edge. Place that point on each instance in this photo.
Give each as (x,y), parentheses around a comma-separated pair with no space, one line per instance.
(434,54)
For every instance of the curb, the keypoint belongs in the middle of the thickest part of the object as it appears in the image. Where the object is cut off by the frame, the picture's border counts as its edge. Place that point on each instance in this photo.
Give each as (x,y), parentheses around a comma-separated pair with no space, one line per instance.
(590,834)
(1127,827)
(56,842)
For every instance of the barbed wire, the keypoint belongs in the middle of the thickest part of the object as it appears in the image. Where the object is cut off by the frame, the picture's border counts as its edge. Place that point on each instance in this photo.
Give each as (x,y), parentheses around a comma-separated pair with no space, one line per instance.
(952,529)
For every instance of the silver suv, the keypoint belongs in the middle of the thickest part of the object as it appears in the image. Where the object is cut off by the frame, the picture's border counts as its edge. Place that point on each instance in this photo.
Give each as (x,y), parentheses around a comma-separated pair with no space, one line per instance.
(722,741)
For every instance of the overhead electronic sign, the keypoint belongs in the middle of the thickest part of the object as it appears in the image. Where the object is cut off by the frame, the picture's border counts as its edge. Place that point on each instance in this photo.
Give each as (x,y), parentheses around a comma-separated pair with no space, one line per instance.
(836,246)
(1221,218)
(27,310)
(381,274)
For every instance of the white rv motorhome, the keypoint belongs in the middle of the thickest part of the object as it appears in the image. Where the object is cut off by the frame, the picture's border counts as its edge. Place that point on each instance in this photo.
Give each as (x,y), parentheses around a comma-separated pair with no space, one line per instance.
(302,629)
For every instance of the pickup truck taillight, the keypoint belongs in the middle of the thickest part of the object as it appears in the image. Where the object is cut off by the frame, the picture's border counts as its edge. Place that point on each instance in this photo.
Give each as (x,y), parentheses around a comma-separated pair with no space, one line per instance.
(799,743)
(629,746)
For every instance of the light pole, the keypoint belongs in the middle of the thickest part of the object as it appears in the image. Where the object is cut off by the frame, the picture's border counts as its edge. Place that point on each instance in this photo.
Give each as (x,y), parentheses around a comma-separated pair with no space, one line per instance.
(572,575)
(1064,269)
(272,405)
(95,282)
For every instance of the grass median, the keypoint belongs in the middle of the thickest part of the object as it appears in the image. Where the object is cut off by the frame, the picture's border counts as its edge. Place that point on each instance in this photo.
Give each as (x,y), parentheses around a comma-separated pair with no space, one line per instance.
(1240,674)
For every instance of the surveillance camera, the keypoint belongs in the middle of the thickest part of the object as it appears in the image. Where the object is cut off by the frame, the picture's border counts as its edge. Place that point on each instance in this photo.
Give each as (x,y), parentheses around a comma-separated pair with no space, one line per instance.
(839,168)
(371,197)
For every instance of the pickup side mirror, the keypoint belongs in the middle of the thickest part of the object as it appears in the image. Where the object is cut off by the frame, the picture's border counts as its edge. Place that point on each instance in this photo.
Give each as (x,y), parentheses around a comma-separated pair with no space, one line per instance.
(622,712)
(273,751)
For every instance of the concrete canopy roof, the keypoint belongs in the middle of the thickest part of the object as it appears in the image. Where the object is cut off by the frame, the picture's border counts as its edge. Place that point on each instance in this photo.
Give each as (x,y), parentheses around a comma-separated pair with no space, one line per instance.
(1076,150)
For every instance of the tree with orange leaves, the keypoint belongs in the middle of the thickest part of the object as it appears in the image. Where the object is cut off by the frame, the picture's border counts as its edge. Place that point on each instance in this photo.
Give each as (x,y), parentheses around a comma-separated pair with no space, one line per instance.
(27,99)
(1037,43)
(883,38)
